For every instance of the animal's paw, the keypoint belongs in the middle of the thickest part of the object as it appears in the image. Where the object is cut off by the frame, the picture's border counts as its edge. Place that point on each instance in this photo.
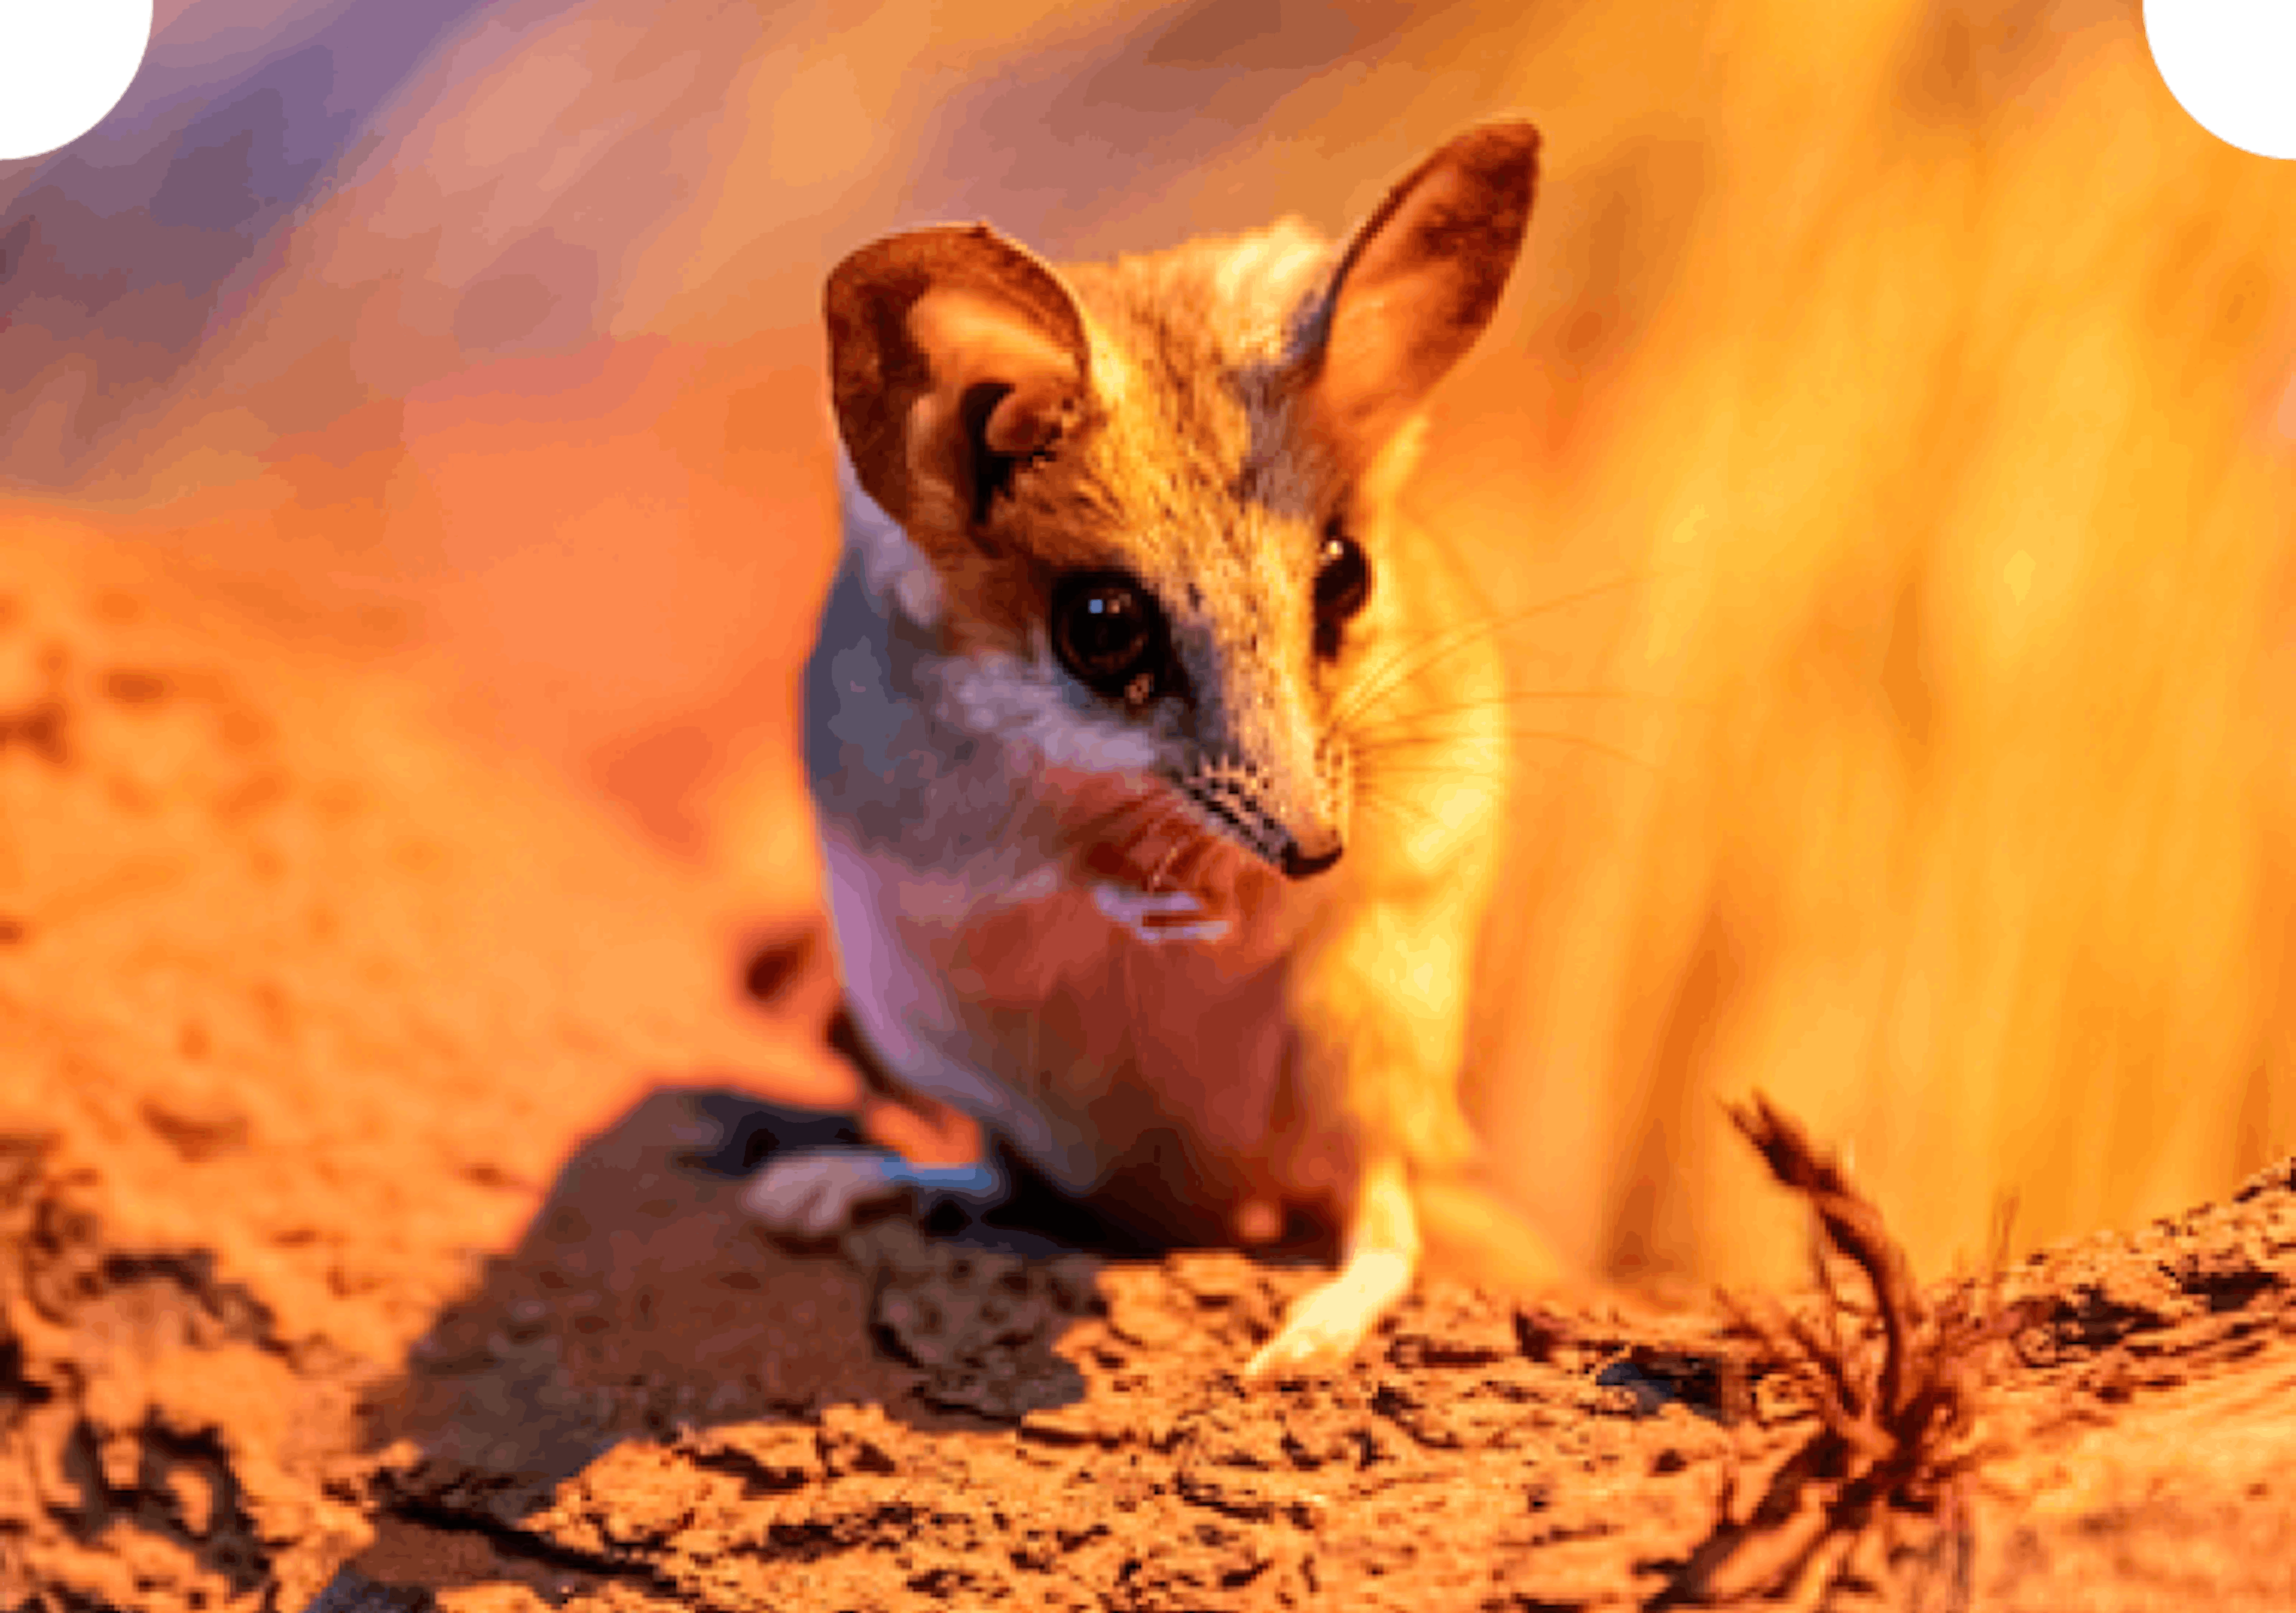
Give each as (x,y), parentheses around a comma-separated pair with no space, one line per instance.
(1322,1328)
(1157,916)
(812,1192)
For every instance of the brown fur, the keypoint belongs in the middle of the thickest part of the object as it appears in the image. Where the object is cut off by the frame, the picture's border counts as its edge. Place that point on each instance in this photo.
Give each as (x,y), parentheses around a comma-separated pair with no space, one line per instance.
(1204,421)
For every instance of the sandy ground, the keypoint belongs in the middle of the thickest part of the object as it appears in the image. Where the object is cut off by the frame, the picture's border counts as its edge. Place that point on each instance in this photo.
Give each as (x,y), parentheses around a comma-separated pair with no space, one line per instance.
(371,1116)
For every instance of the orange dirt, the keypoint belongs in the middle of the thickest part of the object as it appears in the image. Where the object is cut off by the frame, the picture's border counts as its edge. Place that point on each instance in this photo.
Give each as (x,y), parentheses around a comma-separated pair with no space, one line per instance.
(367,1118)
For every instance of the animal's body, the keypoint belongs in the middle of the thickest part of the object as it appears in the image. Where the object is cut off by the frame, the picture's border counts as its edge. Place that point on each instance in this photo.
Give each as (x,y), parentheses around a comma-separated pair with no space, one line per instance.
(1159,768)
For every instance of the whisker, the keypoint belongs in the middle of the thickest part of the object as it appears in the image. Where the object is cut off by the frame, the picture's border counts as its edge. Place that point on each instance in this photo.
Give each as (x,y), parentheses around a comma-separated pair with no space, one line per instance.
(1372,730)
(1105,832)
(1174,813)
(1164,867)
(1203,850)
(1411,659)
(1102,828)
(1397,807)
(1366,756)
(1131,843)
(1149,813)
(1102,823)
(1512,696)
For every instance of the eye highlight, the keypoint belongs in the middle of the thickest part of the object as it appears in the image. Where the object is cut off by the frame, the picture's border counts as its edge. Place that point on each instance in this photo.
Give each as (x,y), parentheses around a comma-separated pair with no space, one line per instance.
(1342,584)
(1109,633)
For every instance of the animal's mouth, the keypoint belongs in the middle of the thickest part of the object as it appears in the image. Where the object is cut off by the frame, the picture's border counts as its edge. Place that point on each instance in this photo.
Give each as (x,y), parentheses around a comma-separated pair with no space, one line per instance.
(1176,849)
(1172,916)
(1181,861)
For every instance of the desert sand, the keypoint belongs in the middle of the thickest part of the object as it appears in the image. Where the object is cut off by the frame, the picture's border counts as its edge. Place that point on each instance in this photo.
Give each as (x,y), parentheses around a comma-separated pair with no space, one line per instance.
(372,1111)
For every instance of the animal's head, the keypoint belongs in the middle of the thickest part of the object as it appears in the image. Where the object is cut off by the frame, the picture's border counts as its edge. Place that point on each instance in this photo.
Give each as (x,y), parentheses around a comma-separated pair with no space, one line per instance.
(1144,489)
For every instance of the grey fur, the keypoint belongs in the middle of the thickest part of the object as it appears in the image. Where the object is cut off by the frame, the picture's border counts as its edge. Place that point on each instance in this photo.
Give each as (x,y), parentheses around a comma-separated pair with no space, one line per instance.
(1060,910)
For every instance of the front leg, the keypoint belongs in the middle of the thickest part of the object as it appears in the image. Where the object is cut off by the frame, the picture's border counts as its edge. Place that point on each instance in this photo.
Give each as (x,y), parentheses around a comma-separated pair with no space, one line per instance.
(1380,1005)
(1380,1254)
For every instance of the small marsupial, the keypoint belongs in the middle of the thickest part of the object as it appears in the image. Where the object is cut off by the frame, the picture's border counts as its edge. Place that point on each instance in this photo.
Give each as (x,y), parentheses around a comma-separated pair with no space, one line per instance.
(1158,795)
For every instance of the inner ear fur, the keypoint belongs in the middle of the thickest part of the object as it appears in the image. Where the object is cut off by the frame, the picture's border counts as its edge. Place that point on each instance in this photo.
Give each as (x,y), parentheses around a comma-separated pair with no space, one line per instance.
(953,353)
(1417,285)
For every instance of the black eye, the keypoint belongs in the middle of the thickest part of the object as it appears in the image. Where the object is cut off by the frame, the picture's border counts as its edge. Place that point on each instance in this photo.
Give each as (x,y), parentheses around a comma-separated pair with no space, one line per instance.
(1107,630)
(1342,584)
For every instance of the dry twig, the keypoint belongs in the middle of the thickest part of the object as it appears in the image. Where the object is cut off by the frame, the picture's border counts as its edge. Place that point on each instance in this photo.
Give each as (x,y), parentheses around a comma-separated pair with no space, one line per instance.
(1894,1386)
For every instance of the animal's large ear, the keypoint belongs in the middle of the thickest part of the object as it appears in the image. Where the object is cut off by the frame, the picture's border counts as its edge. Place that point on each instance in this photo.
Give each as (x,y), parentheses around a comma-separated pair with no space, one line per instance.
(1417,285)
(953,353)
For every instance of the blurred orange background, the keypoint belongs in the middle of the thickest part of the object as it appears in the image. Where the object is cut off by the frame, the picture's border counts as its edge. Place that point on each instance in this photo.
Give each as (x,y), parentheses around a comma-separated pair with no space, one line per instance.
(1883,462)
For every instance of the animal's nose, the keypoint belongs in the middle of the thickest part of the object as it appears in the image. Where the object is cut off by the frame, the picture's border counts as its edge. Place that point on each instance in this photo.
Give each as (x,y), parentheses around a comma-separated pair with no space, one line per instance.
(1301,864)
